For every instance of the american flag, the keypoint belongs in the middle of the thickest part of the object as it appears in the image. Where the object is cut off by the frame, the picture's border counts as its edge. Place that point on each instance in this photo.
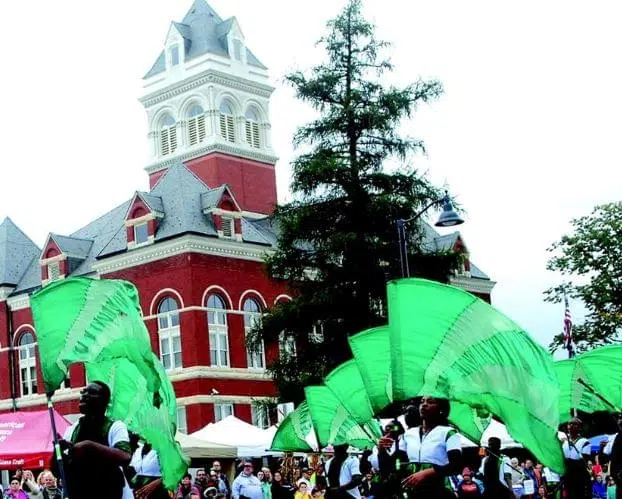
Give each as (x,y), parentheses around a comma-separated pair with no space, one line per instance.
(568,343)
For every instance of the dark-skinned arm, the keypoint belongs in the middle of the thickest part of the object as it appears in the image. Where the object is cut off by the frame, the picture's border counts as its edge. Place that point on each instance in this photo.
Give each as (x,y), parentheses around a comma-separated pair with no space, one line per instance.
(90,449)
(453,468)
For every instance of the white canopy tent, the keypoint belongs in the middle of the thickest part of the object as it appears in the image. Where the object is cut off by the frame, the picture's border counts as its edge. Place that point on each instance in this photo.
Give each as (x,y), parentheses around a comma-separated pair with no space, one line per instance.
(249,440)
(196,448)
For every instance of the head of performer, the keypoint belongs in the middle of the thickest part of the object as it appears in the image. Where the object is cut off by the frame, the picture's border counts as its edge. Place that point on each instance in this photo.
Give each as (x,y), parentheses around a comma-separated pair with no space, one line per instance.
(494,445)
(574,428)
(433,411)
(94,400)
(394,429)
(341,450)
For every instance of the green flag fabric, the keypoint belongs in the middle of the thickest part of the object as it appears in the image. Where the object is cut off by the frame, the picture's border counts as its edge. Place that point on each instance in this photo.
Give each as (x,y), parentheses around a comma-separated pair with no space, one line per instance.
(448,343)
(372,355)
(333,424)
(591,382)
(295,432)
(347,385)
(98,323)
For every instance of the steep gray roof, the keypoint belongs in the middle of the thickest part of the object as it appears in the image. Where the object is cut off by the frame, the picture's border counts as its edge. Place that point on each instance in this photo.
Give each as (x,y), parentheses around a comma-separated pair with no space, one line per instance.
(210,198)
(204,32)
(153,202)
(433,241)
(73,246)
(181,192)
(17,252)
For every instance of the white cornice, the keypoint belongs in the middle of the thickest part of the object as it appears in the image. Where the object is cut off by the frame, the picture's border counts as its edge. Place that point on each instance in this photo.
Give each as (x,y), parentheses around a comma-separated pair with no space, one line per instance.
(35,400)
(184,244)
(472,285)
(217,145)
(206,372)
(5,291)
(220,399)
(209,76)
(18,302)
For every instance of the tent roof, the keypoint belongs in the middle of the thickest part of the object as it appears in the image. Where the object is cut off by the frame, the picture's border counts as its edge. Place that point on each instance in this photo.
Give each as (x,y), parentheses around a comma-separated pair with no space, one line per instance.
(197,448)
(249,440)
(28,438)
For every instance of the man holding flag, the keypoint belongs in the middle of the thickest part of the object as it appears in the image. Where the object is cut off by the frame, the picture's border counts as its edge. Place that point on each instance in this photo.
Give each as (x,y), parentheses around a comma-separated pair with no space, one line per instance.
(96,442)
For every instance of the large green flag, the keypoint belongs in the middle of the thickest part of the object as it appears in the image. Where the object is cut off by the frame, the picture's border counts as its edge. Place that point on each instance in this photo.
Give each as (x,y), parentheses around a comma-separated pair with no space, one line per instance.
(591,382)
(347,385)
(447,343)
(334,425)
(98,323)
(372,354)
(295,432)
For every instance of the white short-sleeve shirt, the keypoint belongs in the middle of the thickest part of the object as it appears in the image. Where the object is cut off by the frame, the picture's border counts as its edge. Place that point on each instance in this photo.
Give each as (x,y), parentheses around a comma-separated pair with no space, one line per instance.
(505,467)
(431,448)
(609,447)
(576,450)
(117,433)
(349,468)
(147,465)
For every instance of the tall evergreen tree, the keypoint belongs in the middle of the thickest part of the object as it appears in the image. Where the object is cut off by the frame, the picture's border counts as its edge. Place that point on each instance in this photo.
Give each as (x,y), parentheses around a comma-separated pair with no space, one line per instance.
(337,238)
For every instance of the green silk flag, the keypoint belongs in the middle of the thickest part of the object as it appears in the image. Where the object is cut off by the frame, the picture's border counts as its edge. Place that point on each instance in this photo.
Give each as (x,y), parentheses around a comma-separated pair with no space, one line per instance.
(372,354)
(334,425)
(448,343)
(98,323)
(591,382)
(347,385)
(295,432)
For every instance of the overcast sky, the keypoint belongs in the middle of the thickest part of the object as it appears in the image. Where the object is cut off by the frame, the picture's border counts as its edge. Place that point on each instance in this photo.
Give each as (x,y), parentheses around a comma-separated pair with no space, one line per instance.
(527,135)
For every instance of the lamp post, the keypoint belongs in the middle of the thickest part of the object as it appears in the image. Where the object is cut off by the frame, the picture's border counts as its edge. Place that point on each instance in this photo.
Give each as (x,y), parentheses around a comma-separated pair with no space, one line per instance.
(448,218)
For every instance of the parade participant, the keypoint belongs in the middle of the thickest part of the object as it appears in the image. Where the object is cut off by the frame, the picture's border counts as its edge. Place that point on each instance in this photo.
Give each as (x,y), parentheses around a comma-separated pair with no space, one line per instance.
(147,477)
(613,450)
(496,472)
(433,451)
(96,442)
(343,474)
(246,484)
(577,483)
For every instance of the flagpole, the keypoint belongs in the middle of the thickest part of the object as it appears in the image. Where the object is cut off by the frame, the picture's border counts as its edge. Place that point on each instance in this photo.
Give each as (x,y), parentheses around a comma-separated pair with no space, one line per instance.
(57,450)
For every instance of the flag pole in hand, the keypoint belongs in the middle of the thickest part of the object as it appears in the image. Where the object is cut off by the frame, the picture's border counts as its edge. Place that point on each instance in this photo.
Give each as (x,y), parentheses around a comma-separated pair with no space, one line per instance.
(57,450)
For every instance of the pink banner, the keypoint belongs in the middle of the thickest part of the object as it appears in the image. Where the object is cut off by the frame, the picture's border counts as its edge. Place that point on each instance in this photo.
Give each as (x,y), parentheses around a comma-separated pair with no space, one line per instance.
(26,439)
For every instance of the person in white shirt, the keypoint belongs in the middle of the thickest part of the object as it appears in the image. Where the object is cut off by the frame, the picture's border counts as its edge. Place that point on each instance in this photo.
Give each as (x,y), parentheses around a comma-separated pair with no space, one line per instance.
(96,442)
(433,449)
(577,483)
(147,479)
(497,472)
(343,474)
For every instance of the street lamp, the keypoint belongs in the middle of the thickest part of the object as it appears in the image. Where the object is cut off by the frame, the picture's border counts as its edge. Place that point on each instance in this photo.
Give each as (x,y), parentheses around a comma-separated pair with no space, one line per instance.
(448,218)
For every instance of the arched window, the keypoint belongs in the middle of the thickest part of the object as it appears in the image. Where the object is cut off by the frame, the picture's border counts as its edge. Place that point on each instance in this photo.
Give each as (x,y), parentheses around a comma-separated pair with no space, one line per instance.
(27,364)
(252,318)
(252,129)
(196,125)
(168,135)
(227,124)
(170,336)
(218,331)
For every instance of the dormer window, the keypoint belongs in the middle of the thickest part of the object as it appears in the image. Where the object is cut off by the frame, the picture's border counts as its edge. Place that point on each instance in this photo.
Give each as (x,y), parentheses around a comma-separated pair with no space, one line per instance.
(141,233)
(252,129)
(53,271)
(196,125)
(227,124)
(238,50)
(227,227)
(174,55)
(168,135)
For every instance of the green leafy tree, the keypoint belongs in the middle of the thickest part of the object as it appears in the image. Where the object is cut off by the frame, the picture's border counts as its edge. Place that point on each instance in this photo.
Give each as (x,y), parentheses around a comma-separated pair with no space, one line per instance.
(591,260)
(337,238)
